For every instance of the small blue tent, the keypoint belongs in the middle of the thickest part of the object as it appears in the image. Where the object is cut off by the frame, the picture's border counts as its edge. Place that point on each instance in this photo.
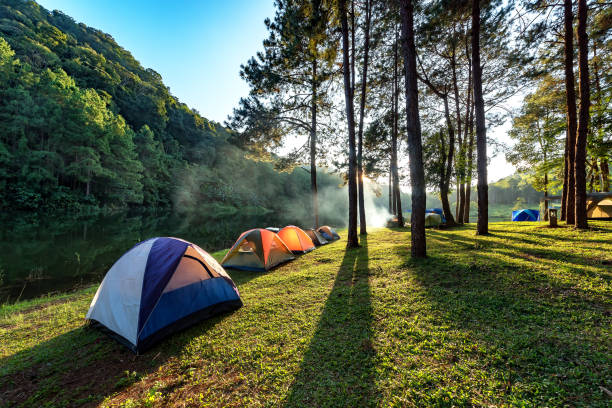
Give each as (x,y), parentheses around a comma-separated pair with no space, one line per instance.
(158,287)
(437,211)
(525,215)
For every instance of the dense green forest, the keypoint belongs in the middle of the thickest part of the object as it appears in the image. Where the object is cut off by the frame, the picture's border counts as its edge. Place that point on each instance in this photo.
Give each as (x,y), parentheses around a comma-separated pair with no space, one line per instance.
(83,127)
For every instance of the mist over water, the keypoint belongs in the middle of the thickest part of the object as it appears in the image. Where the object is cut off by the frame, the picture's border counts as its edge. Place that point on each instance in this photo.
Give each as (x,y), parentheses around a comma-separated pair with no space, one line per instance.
(212,207)
(333,204)
(249,187)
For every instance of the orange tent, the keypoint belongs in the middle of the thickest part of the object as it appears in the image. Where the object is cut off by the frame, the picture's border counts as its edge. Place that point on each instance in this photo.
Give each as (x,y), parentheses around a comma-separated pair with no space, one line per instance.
(257,250)
(296,239)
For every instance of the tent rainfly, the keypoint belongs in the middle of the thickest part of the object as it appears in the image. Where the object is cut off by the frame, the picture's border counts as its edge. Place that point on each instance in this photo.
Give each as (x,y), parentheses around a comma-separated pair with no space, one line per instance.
(296,239)
(257,250)
(432,219)
(158,287)
(328,233)
(437,211)
(526,215)
(316,237)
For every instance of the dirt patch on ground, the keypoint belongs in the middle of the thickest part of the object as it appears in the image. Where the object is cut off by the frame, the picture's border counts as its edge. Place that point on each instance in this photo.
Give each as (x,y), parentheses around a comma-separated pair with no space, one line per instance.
(78,378)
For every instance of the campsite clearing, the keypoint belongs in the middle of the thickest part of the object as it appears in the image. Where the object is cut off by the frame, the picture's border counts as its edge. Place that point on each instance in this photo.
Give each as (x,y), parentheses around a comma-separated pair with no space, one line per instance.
(521,317)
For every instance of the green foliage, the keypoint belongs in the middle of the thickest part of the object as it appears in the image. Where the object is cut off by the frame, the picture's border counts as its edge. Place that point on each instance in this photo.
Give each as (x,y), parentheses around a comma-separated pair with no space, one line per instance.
(539,134)
(83,126)
(289,82)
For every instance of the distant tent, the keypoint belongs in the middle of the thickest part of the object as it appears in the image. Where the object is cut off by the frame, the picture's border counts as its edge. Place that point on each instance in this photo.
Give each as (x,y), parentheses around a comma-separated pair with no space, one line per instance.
(257,250)
(328,233)
(437,211)
(316,236)
(296,239)
(525,215)
(432,219)
(158,287)
(599,207)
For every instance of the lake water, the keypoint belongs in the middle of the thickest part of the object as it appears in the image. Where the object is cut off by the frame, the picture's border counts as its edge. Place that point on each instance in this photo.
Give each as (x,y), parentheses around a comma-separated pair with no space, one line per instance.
(40,256)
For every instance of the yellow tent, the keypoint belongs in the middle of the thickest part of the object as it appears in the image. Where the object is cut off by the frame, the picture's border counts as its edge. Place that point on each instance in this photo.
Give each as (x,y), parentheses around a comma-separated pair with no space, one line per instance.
(599,209)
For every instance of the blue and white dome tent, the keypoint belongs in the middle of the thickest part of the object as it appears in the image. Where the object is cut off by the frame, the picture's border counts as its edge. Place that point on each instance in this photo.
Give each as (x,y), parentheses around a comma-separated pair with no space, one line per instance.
(158,287)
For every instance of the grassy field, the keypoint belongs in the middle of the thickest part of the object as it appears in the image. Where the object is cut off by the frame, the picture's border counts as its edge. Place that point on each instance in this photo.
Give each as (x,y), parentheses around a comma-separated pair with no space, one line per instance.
(518,318)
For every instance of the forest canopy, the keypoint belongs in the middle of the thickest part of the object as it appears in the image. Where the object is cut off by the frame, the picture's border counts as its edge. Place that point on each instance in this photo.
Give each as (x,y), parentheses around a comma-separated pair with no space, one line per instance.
(83,126)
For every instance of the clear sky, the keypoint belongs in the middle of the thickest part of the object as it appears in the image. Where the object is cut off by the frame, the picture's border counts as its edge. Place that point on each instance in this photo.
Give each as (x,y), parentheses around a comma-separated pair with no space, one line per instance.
(196,45)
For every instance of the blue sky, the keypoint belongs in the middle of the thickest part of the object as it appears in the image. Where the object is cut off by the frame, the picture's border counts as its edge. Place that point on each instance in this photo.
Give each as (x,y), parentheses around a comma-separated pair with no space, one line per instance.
(196,45)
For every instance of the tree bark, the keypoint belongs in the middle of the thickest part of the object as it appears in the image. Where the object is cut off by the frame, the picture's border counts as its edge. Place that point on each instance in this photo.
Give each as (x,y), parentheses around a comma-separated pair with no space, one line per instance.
(352,237)
(470,163)
(391,201)
(446,166)
(397,201)
(545,196)
(413,126)
(565,179)
(353,48)
(364,79)
(605,178)
(580,209)
(445,185)
(469,127)
(570,94)
(482,227)
(313,146)
(603,163)
(459,163)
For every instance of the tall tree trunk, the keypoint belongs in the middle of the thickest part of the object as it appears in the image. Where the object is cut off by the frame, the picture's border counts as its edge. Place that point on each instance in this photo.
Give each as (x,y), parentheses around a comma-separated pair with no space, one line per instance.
(470,144)
(396,181)
(545,196)
(413,127)
(459,163)
(470,164)
(593,174)
(352,237)
(570,94)
(391,200)
(457,194)
(605,175)
(313,146)
(603,163)
(353,55)
(565,179)
(482,227)
(580,209)
(446,165)
(444,186)
(364,79)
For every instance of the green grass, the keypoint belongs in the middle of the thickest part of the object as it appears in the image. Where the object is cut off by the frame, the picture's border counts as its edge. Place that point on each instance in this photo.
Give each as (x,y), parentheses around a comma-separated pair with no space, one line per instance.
(518,318)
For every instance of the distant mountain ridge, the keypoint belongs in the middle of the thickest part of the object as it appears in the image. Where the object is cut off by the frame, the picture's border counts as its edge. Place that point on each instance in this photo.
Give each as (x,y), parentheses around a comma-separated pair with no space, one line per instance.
(45,39)
(52,62)
(84,127)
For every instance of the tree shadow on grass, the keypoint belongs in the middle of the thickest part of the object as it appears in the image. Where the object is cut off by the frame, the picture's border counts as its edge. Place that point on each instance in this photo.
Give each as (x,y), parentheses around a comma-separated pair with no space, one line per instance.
(522,247)
(544,338)
(338,367)
(83,366)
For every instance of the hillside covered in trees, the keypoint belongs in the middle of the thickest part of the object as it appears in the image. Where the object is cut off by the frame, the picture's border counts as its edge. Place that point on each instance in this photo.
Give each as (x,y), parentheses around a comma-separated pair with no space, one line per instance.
(83,126)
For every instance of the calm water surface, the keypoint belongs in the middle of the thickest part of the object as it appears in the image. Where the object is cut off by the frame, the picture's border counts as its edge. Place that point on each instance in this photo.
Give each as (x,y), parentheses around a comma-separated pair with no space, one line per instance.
(40,256)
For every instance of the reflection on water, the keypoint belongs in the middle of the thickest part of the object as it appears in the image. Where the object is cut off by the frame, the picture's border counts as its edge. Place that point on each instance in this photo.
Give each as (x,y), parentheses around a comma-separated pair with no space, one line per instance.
(40,256)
